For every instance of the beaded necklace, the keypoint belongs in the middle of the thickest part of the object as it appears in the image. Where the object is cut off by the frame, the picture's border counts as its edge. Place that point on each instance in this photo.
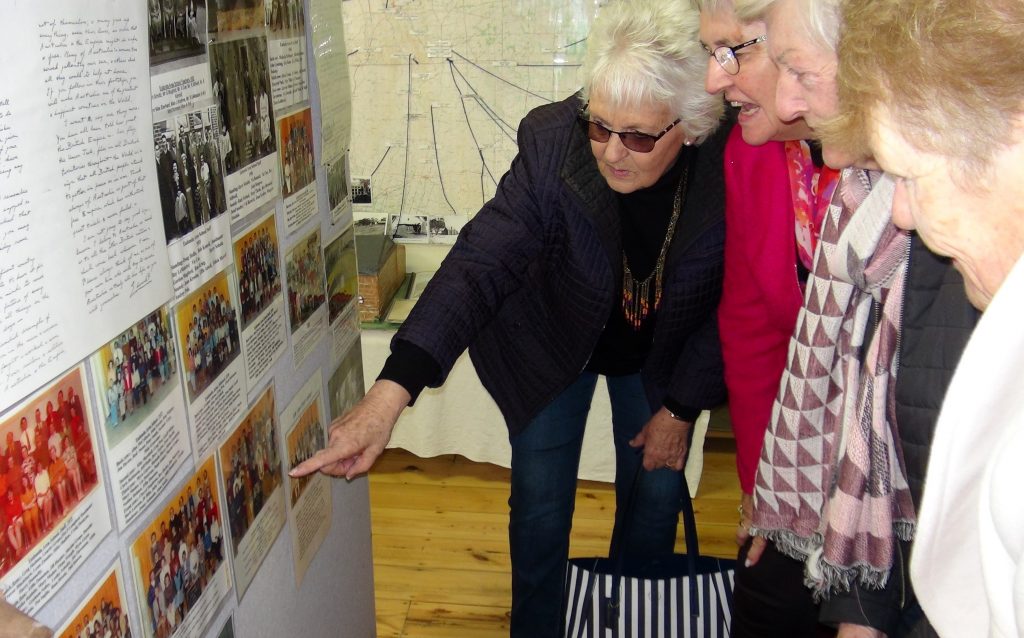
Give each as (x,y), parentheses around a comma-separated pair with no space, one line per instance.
(636,295)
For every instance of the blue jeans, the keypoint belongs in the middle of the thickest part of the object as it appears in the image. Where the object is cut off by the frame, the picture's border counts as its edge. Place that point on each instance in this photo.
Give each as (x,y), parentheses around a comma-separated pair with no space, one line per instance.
(545,461)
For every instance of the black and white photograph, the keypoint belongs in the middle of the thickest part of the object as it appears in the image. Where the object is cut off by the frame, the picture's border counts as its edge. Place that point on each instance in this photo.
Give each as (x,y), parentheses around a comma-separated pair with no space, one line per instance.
(247,117)
(445,229)
(338,182)
(190,171)
(235,15)
(409,228)
(177,30)
(285,18)
(362,192)
(369,223)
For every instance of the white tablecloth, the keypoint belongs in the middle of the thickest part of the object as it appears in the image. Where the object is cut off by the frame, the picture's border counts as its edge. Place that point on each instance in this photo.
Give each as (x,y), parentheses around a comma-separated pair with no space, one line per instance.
(461,418)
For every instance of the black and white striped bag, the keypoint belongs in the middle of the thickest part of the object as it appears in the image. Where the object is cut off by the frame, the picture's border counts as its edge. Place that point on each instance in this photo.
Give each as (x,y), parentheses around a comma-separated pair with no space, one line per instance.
(677,596)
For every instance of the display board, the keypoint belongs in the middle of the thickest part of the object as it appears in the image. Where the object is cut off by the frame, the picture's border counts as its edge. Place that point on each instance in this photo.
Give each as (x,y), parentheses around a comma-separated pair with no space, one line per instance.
(165,201)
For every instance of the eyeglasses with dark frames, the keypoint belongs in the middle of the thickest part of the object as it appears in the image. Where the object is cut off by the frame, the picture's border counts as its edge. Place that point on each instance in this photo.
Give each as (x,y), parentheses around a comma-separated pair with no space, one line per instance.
(726,56)
(634,141)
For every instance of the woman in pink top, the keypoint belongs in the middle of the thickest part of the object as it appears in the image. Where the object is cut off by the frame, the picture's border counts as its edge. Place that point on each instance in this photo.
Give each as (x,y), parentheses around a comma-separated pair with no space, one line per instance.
(777,191)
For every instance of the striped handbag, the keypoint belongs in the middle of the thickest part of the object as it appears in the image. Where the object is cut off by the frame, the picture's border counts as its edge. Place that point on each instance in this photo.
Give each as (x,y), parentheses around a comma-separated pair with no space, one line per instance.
(675,596)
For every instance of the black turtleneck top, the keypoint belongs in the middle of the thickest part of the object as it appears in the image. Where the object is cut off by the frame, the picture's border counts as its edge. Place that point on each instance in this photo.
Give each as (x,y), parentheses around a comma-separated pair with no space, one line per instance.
(643,216)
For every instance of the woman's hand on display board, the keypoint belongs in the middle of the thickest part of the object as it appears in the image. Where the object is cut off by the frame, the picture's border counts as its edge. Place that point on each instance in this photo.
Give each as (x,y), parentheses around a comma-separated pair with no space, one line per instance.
(664,440)
(359,436)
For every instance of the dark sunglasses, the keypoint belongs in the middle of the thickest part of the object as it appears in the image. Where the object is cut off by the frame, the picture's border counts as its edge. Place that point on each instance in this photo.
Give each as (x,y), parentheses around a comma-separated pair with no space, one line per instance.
(636,142)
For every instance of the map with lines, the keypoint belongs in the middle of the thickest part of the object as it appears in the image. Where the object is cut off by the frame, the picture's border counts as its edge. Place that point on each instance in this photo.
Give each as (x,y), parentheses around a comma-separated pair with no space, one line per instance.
(438,90)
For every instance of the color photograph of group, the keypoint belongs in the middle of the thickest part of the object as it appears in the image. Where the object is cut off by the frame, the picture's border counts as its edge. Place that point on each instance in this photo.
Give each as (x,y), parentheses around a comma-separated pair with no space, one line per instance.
(251,465)
(179,552)
(47,466)
(207,326)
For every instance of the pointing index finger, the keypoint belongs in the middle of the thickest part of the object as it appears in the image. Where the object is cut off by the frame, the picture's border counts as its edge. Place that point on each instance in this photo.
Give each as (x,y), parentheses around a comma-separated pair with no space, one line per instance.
(318,461)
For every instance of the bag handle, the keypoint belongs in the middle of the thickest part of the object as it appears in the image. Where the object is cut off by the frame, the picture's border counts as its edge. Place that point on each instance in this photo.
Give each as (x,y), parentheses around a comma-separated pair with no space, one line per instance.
(621,531)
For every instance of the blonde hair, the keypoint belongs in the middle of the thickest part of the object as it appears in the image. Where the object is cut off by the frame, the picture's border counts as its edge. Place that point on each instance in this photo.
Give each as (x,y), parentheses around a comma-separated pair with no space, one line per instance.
(950,74)
(643,52)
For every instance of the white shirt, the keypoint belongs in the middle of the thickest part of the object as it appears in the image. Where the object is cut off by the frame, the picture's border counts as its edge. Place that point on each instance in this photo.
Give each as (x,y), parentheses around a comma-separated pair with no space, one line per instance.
(967,565)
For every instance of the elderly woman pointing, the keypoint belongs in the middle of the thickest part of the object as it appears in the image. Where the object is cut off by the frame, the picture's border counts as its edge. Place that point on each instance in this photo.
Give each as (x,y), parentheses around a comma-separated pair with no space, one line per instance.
(600,254)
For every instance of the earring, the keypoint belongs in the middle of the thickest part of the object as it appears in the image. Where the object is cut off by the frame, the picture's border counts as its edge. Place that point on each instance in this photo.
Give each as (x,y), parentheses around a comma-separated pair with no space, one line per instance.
(688,142)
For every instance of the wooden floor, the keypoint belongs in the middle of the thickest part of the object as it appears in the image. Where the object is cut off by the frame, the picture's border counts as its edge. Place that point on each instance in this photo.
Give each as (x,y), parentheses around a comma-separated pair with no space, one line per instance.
(440,538)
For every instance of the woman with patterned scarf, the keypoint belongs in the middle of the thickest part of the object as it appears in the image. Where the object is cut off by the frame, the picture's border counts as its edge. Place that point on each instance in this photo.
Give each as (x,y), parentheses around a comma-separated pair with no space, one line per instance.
(881,330)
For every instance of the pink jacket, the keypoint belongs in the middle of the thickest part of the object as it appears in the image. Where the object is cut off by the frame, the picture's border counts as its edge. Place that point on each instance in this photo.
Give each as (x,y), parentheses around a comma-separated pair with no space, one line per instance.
(761,295)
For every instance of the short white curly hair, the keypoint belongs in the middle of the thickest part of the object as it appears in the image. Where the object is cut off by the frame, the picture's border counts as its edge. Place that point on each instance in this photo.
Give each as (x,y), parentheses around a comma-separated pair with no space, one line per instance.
(642,52)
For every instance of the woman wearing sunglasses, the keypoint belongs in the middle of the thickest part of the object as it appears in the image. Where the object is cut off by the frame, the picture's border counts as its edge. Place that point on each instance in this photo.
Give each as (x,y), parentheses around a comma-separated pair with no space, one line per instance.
(600,254)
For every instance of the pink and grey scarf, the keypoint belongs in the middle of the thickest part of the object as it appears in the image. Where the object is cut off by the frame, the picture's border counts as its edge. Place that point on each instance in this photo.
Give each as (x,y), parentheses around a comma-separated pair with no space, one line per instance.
(831,489)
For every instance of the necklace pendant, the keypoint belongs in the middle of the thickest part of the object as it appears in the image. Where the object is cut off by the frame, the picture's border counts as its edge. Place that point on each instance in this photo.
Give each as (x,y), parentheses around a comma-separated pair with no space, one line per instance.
(636,296)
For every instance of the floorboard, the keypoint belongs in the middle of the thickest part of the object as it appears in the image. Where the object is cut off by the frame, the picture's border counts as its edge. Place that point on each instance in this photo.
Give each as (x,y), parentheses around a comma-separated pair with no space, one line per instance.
(440,544)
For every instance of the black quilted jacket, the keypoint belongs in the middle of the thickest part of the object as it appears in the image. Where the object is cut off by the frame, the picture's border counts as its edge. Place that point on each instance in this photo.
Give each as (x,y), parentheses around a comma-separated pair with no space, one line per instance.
(531,280)
(937,322)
